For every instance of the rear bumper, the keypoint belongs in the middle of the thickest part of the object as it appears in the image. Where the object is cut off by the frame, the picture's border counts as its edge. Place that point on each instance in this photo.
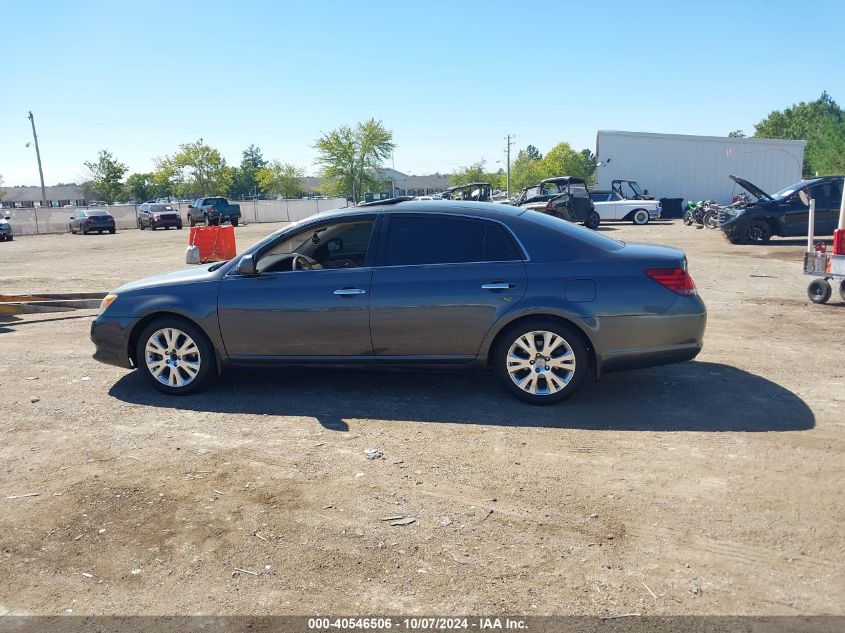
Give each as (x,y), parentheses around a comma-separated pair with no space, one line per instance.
(111,340)
(638,341)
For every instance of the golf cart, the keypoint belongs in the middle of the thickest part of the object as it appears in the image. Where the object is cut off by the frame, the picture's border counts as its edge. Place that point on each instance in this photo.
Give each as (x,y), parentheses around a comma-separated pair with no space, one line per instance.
(629,190)
(565,197)
(477,191)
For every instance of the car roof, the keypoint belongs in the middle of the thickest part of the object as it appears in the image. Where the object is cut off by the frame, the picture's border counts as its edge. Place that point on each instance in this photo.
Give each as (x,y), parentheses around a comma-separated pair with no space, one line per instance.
(563,179)
(489,210)
(470,184)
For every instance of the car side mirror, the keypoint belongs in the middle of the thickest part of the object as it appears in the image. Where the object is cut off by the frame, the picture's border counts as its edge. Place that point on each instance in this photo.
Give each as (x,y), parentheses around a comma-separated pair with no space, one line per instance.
(805,197)
(246,265)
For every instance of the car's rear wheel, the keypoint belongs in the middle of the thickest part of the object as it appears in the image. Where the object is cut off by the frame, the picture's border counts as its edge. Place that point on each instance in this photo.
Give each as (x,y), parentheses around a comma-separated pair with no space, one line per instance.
(819,291)
(641,217)
(541,361)
(175,356)
(841,285)
(593,220)
(235,221)
(112,231)
(141,225)
(758,232)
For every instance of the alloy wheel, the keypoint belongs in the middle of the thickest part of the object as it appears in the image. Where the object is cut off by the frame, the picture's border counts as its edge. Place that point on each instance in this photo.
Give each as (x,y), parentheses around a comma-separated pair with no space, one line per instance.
(540,362)
(172,357)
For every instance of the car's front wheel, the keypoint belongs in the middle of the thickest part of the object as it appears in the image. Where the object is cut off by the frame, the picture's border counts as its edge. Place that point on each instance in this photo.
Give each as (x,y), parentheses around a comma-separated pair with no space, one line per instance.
(175,356)
(758,232)
(542,361)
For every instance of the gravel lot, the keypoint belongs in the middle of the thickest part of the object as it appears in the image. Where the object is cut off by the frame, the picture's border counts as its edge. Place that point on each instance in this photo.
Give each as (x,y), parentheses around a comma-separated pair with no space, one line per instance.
(712,487)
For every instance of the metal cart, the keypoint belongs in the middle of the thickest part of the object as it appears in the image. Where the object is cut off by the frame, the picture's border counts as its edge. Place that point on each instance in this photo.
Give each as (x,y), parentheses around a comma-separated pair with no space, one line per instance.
(824,267)
(821,264)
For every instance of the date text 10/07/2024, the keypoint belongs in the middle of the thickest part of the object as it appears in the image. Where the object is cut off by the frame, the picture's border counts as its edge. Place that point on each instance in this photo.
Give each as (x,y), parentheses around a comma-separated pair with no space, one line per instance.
(416,624)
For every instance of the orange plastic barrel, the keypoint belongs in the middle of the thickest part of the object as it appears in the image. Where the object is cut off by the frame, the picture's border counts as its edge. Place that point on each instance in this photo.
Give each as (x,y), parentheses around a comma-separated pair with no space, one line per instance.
(215,243)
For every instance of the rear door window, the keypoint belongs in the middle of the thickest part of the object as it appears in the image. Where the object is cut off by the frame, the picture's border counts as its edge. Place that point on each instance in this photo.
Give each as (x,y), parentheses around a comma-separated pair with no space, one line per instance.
(414,240)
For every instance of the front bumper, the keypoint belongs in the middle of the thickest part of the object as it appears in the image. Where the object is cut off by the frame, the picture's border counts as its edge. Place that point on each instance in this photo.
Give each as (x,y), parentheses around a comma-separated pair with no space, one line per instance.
(159,224)
(111,340)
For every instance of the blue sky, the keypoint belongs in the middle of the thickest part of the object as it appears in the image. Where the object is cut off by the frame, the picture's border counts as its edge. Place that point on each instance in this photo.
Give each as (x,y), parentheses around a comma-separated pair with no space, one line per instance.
(451,79)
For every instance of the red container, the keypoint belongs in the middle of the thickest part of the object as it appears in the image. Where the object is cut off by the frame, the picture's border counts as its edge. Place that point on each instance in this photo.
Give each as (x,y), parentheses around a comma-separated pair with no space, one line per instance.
(839,242)
(216,243)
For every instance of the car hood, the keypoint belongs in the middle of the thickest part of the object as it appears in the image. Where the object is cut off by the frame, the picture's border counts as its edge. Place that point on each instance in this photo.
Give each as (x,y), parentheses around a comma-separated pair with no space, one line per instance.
(184,276)
(751,188)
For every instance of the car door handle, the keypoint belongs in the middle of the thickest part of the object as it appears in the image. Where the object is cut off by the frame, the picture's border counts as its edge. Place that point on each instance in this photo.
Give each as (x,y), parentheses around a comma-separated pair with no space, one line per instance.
(498,285)
(349,292)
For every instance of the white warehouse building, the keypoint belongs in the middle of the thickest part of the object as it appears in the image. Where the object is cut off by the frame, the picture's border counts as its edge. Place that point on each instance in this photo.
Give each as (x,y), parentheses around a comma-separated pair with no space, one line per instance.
(696,167)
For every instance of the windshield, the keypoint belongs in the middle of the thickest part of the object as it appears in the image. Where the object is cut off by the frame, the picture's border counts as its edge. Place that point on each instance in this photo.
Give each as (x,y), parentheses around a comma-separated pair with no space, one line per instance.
(161,207)
(784,193)
(635,187)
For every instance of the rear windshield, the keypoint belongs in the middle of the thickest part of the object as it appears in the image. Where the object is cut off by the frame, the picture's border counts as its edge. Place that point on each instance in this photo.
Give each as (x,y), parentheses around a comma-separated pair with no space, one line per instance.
(95,212)
(581,233)
(215,201)
(160,207)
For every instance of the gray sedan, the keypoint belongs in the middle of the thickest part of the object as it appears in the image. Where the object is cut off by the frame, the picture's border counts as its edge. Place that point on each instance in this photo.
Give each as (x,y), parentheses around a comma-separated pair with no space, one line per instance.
(538,301)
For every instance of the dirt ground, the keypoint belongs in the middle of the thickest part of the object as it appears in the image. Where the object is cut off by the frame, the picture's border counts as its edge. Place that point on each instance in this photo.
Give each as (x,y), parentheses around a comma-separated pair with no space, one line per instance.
(711,487)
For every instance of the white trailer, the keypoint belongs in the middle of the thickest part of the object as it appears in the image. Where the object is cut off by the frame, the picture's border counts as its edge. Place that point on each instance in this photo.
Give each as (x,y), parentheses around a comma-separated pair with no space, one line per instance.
(696,167)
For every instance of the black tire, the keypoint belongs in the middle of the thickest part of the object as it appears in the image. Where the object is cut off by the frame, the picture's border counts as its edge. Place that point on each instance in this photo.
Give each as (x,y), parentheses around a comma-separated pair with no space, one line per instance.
(112,231)
(841,285)
(711,220)
(141,225)
(572,339)
(191,221)
(819,291)
(235,221)
(688,218)
(758,232)
(640,217)
(206,356)
(11,238)
(593,220)
(179,227)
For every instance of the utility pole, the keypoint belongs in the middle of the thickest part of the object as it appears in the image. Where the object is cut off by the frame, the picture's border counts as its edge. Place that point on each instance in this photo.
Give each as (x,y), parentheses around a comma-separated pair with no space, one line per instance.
(510,142)
(40,171)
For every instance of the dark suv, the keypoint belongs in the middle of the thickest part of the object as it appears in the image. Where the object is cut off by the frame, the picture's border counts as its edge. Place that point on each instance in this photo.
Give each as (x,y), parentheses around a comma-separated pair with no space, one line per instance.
(783,213)
(157,216)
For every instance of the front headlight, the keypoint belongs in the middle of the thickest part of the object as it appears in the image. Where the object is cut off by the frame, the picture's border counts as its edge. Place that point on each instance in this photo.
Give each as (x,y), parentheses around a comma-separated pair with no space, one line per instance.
(106,302)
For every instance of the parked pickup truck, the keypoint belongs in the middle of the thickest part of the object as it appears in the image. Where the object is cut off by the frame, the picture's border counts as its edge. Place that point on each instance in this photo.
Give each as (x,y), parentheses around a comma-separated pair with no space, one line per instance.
(213,211)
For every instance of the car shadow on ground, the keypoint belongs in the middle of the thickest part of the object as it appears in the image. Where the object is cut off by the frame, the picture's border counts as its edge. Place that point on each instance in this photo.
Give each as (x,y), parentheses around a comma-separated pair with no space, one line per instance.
(693,396)
(8,322)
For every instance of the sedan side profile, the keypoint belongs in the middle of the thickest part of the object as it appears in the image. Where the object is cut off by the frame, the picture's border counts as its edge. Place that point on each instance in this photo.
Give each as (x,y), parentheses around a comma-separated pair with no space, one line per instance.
(92,221)
(538,301)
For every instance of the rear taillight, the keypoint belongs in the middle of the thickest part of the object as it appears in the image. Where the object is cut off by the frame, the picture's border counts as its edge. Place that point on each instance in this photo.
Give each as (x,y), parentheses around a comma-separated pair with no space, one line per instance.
(675,279)
(550,206)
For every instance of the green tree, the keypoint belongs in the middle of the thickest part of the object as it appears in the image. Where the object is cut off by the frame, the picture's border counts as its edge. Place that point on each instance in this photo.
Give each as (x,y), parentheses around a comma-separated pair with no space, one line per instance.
(562,160)
(736,134)
(525,171)
(141,187)
(533,153)
(245,182)
(107,175)
(164,178)
(590,163)
(821,123)
(195,170)
(351,158)
(476,172)
(285,180)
